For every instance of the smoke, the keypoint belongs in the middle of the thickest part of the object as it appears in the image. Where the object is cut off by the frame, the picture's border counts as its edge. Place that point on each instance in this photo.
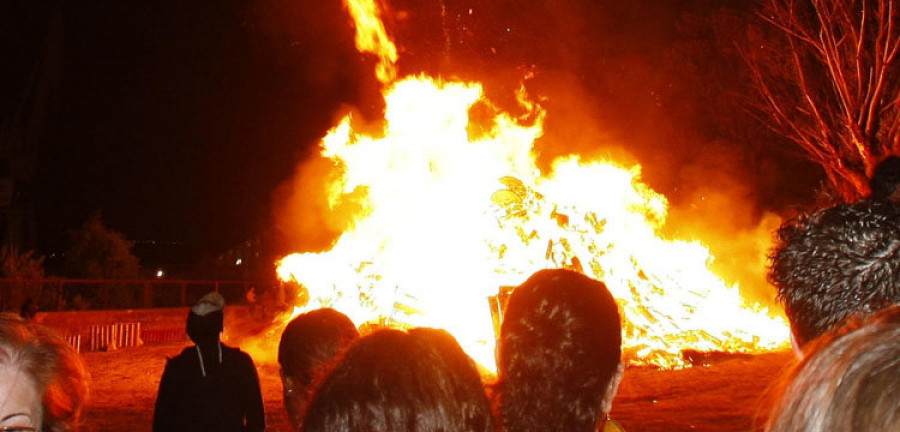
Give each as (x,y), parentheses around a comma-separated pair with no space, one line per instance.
(304,214)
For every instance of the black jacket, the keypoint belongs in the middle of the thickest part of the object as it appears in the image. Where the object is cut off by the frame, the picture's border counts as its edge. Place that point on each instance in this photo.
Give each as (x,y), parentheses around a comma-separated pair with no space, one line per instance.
(227,399)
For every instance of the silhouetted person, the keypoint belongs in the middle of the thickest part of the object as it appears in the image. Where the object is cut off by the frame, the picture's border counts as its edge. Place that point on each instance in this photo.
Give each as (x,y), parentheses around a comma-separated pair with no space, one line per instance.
(836,263)
(392,381)
(885,181)
(209,386)
(308,349)
(560,354)
(29,309)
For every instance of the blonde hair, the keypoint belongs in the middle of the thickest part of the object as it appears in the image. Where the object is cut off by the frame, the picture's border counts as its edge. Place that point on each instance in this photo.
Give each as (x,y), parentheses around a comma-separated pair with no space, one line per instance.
(850,380)
(53,366)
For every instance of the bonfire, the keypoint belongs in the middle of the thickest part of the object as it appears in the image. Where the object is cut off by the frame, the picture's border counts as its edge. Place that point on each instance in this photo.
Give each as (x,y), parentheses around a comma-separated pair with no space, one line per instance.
(450,212)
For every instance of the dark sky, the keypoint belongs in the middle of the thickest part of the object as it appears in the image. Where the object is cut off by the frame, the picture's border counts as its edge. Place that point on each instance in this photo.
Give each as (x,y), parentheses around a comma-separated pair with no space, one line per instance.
(176,119)
(180,119)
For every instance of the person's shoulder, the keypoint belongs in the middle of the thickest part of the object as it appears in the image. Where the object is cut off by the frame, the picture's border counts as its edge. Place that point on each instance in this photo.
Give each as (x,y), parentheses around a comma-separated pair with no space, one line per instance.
(183,357)
(178,367)
(236,353)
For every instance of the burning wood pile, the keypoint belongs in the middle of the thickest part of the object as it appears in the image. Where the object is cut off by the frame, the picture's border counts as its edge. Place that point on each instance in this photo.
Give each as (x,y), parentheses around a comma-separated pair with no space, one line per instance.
(446,209)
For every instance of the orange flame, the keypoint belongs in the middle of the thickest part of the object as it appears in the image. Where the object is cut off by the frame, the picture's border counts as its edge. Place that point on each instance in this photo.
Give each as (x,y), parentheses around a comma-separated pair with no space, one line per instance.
(450,211)
(371,37)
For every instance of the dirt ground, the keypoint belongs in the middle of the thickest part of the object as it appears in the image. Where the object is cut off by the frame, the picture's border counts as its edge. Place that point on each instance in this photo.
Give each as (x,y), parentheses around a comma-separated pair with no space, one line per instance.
(724,396)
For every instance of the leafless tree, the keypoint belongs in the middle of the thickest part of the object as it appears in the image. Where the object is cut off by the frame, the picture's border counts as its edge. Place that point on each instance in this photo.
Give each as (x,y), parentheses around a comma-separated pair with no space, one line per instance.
(829,82)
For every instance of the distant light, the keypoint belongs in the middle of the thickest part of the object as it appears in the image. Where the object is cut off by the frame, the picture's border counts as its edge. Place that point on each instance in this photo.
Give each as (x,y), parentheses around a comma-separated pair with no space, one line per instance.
(238,262)
(159,273)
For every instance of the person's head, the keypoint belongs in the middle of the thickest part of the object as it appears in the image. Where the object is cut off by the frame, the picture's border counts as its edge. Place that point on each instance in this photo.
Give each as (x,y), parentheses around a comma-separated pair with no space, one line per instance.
(43,382)
(848,381)
(309,345)
(836,263)
(885,181)
(559,358)
(206,318)
(393,381)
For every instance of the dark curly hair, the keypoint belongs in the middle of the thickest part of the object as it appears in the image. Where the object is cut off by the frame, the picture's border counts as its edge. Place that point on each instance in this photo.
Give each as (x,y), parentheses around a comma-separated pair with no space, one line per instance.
(394,381)
(560,347)
(836,263)
(54,367)
(309,345)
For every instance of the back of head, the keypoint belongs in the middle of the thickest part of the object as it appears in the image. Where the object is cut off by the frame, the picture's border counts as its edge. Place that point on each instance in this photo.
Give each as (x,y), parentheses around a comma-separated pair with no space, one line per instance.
(206,319)
(53,366)
(560,347)
(837,263)
(849,381)
(885,181)
(309,345)
(394,381)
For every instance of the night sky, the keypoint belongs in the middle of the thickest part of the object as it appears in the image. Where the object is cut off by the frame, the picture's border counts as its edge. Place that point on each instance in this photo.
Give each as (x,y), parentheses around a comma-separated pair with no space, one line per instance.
(175,119)
(179,120)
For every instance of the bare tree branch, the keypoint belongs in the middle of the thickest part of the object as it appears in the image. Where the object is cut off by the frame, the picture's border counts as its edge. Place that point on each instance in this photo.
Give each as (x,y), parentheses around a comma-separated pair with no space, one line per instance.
(836,94)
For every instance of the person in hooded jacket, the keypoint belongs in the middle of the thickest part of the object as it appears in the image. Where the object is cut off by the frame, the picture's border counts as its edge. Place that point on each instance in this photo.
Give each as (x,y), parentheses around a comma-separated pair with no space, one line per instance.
(209,386)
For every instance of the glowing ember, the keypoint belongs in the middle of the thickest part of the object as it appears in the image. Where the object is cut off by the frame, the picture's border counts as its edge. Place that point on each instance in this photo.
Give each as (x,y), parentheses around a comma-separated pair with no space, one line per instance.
(447,216)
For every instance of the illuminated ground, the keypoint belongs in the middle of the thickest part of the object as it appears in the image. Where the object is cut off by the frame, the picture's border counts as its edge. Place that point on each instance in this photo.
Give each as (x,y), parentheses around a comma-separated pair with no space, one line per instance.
(720,398)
